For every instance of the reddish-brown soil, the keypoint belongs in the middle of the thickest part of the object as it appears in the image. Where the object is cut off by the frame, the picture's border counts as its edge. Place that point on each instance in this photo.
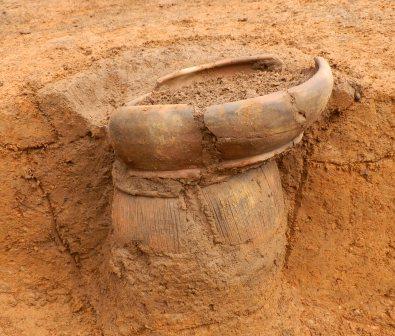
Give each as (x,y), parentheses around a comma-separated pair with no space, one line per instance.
(55,168)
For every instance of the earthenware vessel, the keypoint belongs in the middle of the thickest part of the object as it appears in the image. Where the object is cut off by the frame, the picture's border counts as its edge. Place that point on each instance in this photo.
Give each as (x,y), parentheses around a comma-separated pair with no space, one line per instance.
(201,195)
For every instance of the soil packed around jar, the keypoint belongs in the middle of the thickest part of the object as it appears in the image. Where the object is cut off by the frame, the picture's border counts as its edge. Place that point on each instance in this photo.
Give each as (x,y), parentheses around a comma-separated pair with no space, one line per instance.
(216,88)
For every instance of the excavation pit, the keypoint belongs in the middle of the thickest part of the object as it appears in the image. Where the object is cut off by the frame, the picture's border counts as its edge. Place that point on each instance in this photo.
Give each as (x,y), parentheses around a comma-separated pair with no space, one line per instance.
(62,80)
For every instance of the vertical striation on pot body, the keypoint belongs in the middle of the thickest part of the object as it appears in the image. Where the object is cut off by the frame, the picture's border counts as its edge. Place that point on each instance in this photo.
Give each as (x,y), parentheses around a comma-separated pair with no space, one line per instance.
(198,247)
(245,208)
(156,222)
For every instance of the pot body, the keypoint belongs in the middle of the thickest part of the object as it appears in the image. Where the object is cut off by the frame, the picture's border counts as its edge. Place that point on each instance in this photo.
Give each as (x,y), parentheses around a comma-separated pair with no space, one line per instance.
(201,256)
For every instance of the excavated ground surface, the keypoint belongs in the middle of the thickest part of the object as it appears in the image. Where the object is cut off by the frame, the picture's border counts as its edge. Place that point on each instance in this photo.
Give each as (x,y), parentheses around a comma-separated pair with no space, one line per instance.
(56,180)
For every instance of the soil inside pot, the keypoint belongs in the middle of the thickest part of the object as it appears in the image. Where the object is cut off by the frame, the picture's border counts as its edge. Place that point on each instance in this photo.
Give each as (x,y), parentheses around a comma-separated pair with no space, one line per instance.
(217,88)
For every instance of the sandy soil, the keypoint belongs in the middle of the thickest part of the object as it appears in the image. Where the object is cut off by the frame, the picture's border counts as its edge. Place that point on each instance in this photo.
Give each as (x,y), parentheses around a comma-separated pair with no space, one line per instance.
(56,180)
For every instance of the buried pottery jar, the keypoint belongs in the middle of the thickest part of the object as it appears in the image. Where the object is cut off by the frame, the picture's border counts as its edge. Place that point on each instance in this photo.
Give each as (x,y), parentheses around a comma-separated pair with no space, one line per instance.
(198,213)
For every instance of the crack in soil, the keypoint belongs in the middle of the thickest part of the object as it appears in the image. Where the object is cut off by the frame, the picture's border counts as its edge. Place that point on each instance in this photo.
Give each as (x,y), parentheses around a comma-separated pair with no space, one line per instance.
(297,205)
(386,156)
(65,246)
(58,236)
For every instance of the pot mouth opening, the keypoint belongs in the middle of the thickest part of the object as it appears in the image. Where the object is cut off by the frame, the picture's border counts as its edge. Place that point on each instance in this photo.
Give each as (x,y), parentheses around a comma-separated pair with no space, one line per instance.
(224,69)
